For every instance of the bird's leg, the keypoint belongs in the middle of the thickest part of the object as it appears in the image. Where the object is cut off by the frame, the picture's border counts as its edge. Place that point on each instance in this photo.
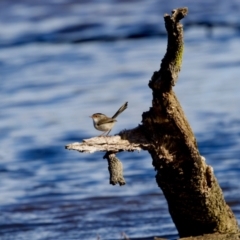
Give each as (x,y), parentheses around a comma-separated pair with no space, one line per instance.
(101,134)
(108,132)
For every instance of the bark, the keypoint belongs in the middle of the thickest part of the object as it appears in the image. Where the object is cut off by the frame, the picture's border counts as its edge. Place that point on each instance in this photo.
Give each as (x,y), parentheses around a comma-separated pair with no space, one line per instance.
(214,236)
(194,197)
(229,236)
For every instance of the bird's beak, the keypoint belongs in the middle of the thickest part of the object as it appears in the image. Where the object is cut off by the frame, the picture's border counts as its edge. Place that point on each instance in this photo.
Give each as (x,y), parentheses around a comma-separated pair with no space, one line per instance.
(90,116)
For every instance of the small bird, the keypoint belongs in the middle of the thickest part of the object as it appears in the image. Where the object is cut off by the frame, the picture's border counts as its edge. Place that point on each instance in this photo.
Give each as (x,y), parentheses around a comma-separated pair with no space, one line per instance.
(103,123)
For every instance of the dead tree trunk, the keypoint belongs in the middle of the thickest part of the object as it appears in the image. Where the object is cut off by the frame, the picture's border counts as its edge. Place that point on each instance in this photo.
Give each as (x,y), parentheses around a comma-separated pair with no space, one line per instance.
(195,200)
(194,197)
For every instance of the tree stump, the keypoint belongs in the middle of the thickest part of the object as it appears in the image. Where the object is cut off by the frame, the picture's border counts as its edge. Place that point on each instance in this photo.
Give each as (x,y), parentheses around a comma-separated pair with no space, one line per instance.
(194,197)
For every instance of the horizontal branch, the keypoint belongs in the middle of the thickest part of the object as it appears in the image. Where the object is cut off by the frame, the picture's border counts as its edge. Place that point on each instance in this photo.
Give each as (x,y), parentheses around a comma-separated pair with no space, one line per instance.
(127,140)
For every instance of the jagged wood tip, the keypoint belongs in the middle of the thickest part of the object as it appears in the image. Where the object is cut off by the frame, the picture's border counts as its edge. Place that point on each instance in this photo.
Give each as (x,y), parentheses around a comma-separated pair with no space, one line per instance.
(177,14)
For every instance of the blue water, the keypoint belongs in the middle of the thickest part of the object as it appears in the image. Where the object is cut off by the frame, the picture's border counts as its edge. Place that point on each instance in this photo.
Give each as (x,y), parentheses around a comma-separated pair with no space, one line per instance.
(60,62)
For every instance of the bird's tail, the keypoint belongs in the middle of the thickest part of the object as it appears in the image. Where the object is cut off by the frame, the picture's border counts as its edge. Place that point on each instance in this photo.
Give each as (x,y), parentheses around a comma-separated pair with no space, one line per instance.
(120,110)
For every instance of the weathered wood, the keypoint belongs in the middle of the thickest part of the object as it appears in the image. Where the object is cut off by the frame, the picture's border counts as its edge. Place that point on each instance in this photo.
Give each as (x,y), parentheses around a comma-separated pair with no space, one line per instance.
(195,200)
(127,140)
(214,236)
(194,197)
(115,168)
(229,236)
